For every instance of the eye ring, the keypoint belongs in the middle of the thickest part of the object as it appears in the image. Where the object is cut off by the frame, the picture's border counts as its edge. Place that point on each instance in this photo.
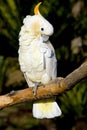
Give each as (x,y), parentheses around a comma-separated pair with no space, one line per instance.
(42,29)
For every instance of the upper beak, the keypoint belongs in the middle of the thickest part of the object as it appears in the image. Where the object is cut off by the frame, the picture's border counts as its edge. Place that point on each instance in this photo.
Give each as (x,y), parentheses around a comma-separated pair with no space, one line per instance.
(45,37)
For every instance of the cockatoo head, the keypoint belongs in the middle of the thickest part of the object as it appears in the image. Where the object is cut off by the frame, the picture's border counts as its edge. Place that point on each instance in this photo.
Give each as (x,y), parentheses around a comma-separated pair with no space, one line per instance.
(37,25)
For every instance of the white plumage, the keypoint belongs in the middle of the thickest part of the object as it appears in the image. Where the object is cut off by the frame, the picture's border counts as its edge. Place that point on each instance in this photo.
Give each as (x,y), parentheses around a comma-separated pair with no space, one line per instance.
(38,61)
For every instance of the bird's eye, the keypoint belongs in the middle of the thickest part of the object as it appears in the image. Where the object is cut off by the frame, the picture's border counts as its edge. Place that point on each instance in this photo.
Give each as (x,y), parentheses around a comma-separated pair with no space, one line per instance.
(42,29)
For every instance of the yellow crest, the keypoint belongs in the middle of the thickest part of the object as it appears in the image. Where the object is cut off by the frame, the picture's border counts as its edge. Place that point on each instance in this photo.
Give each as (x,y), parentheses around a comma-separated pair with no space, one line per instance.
(36,9)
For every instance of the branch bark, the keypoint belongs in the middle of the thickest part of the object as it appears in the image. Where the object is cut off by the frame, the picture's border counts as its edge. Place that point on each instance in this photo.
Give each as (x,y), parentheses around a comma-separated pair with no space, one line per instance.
(54,88)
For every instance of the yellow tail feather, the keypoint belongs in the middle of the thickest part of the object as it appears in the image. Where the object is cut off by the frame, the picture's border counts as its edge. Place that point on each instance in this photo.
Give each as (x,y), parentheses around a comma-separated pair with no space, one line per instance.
(47,108)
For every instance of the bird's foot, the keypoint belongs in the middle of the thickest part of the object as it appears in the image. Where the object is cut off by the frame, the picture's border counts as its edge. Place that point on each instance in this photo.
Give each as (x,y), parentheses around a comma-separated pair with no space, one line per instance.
(36,86)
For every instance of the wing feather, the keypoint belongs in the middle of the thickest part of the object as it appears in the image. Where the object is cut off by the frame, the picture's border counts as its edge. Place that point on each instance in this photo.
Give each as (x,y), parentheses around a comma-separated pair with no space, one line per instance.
(50,62)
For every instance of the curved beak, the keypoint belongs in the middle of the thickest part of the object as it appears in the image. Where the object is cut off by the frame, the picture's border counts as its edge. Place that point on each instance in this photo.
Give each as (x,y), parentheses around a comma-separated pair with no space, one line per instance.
(45,37)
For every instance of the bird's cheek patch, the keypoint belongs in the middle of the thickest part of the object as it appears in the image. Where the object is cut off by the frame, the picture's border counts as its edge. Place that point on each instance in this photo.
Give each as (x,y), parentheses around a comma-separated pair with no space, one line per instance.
(35,27)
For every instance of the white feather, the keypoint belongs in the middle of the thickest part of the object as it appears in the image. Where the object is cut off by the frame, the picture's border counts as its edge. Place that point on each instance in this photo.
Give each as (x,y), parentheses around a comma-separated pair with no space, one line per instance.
(46,109)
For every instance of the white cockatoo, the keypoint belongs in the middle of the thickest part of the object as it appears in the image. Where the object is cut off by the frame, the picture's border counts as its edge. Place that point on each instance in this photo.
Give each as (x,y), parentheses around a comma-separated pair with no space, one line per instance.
(38,61)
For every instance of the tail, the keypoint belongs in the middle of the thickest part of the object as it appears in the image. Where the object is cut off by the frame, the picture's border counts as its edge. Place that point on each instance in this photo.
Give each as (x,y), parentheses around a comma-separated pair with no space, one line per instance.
(47,108)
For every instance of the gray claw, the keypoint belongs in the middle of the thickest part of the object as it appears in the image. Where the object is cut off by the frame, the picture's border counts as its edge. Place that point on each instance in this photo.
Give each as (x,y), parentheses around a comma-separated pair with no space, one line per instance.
(35,89)
(36,86)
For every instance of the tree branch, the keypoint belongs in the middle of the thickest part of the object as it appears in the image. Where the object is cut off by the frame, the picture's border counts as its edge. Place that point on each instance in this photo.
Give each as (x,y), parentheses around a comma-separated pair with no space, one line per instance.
(54,88)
